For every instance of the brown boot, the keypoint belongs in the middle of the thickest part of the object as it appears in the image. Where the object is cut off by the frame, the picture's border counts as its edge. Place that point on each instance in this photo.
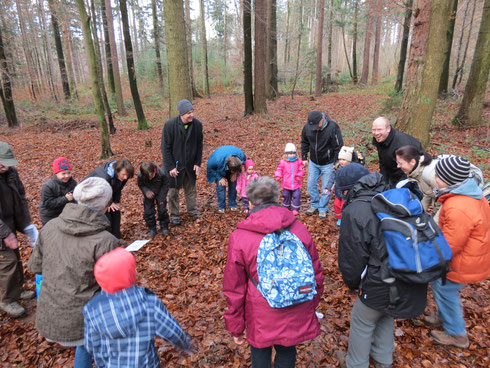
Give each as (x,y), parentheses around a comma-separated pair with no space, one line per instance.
(442,337)
(432,320)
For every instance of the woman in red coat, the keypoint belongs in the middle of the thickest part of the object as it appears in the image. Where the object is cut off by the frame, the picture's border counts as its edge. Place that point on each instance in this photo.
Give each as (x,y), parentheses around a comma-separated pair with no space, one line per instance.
(282,328)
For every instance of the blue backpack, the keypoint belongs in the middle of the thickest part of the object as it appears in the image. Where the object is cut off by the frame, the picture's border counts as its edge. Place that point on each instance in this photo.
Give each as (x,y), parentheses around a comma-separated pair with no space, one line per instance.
(285,270)
(417,250)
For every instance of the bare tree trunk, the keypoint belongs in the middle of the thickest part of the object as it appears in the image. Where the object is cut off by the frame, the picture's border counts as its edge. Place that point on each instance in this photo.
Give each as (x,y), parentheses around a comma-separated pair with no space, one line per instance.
(107,46)
(156,38)
(27,52)
(329,49)
(178,69)
(404,45)
(6,88)
(470,111)
(134,28)
(247,57)
(272,50)
(461,69)
(345,50)
(114,59)
(367,45)
(377,42)
(267,62)
(133,85)
(260,104)
(300,33)
(286,42)
(188,27)
(449,43)
(49,52)
(204,50)
(354,42)
(99,106)
(417,115)
(319,46)
(69,56)
(460,43)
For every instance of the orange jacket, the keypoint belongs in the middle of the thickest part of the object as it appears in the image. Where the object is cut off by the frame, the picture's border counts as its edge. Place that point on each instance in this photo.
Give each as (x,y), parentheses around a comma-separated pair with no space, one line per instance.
(465,222)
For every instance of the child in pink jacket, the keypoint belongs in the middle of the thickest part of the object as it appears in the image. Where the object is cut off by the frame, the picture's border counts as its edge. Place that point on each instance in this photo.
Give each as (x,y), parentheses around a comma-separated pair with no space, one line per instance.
(291,171)
(241,185)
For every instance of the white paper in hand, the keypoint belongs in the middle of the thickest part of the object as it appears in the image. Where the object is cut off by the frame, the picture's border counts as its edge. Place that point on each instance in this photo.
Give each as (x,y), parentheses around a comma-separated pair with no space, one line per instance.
(136,245)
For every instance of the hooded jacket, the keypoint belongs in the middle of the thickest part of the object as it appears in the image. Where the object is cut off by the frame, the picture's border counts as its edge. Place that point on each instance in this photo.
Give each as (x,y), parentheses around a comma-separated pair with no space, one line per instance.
(53,198)
(465,221)
(159,181)
(425,178)
(216,167)
(242,183)
(120,328)
(247,308)
(290,173)
(360,239)
(65,254)
(323,145)
(107,173)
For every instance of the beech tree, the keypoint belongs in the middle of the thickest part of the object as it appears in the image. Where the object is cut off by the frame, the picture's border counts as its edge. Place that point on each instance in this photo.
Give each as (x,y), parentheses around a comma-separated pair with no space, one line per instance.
(319,45)
(6,88)
(204,50)
(260,104)
(404,45)
(247,57)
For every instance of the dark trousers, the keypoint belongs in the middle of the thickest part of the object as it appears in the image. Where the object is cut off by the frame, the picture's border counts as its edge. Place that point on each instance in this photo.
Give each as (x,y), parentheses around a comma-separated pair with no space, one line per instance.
(291,198)
(114,218)
(245,203)
(285,357)
(160,200)
(11,275)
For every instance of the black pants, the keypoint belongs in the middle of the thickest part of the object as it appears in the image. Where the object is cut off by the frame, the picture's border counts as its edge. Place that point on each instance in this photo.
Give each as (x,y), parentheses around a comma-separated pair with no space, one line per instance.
(160,199)
(115,220)
(285,357)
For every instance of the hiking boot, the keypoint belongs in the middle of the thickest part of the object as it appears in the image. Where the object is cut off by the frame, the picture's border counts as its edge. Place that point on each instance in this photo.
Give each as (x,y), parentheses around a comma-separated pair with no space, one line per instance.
(13,309)
(164,230)
(310,211)
(176,221)
(381,365)
(295,212)
(245,210)
(322,215)
(340,355)
(233,209)
(152,233)
(27,294)
(432,320)
(442,337)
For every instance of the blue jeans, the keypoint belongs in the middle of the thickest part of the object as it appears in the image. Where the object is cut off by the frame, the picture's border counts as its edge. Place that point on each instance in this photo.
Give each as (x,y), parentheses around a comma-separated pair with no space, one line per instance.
(315,172)
(221,194)
(83,359)
(449,307)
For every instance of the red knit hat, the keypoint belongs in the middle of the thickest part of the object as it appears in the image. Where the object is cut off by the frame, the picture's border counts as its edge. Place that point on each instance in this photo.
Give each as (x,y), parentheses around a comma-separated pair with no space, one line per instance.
(61,164)
(115,271)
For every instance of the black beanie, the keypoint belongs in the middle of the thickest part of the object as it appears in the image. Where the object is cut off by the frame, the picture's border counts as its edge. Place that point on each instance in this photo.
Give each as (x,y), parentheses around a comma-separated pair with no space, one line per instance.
(314,117)
(348,175)
(453,169)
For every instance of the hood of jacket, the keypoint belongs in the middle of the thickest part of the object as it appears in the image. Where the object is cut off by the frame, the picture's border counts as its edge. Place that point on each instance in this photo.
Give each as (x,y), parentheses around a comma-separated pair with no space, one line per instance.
(267,218)
(468,188)
(78,220)
(368,186)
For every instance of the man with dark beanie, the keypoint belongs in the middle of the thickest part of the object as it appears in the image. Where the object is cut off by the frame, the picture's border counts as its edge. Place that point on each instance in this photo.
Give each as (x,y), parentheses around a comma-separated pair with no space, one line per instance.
(321,139)
(182,153)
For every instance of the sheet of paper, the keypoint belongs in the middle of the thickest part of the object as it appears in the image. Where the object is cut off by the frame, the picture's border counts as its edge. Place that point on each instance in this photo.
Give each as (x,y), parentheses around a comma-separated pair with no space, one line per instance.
(136,245)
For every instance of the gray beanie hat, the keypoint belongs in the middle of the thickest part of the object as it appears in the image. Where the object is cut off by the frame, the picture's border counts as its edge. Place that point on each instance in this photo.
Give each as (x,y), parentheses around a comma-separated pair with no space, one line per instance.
(453,169)
(93,192)
(184,106)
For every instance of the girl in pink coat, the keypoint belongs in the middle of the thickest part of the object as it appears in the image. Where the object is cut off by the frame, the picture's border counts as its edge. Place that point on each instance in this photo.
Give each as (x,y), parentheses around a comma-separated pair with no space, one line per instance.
(291,171)
(241,185)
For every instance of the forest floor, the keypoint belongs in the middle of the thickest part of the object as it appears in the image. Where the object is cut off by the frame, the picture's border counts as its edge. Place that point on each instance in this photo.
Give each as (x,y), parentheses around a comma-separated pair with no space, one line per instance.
(185,269)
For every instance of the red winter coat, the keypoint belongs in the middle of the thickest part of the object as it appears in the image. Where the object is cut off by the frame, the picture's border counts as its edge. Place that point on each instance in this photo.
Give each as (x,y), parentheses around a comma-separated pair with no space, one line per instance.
(247,308)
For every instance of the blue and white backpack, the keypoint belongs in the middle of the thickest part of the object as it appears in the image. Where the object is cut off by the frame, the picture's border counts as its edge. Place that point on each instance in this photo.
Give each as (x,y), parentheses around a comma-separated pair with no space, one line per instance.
(285,270)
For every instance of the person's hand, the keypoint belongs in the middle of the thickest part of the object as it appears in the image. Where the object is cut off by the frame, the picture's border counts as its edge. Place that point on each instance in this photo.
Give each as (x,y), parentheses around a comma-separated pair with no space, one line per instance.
(197,169)
(114,207)
(305,162)
(222,182)
(11,241)
(174,173)
(233,177)
(238,340)
(150,194)
(69,196)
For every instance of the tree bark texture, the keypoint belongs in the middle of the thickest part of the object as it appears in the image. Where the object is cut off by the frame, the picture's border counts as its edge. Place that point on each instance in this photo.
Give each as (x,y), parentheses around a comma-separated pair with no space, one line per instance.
(49,52)
(156,38)
(178,68)
(470,111)
(33,83)
(247,57)
(272,50)
(260,104)
(367,45)
(404,45)
(377,41)
(188,27)
(107,45)
(354,42)
(298,53)
(6,88)
(449,43)
(319,50)
(204,50)
(329,48)
(470,28)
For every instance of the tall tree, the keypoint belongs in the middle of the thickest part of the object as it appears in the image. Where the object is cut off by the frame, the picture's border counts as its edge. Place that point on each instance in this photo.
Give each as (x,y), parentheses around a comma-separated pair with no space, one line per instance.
(272,49)
(156,38)
(99,106)
(204,50)
(470,111)
(70,60)
(114,59)
(49,52)
(404,45)
(188,28)
(298,53)
(107,45)
(329,48)
(247,57)
(367,44)
(458,76)
(354,42)
(178,69)
(260,104)
(449,43)
(133,85)
(416,112)
(6,88)
(377,41)
(33,83)
(319,46)
(286,41)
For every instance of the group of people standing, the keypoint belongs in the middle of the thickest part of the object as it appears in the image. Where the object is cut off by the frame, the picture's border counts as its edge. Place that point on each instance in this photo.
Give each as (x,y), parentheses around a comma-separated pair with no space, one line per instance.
(77,256)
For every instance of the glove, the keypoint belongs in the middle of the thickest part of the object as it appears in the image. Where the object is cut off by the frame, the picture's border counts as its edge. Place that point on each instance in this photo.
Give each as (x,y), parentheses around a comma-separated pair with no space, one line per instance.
(32,233)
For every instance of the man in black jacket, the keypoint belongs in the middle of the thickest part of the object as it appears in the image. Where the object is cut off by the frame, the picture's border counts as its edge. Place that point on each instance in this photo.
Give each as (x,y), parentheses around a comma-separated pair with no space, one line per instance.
(322,139)
(387,140)
(361,251)
(182,153)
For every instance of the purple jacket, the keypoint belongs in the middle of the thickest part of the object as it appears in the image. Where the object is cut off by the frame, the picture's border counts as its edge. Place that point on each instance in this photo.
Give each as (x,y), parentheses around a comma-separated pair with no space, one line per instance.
(247,308)
(291,174)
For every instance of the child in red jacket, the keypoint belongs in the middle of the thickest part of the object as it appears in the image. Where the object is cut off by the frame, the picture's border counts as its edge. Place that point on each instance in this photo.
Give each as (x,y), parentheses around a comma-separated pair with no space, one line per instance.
(291,171)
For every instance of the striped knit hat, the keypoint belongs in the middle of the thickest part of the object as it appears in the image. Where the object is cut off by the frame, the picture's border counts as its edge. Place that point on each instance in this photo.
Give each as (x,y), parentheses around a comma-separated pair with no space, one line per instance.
(453,169)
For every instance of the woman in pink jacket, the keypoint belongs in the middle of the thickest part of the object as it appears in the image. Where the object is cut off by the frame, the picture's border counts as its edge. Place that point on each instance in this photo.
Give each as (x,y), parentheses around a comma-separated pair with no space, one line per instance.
(241,185)
(265,326)
(291,171)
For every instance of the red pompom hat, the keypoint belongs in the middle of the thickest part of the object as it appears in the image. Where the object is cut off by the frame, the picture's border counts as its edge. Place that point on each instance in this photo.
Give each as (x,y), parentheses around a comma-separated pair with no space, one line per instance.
(61,164)
(115,271)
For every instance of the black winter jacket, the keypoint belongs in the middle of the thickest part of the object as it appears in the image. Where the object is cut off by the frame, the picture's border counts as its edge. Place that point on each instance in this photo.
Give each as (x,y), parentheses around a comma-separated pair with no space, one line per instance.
(156,184)
(324,144)
(360,240)
(107,173)
(53,198)
(183,146)
(386,154)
